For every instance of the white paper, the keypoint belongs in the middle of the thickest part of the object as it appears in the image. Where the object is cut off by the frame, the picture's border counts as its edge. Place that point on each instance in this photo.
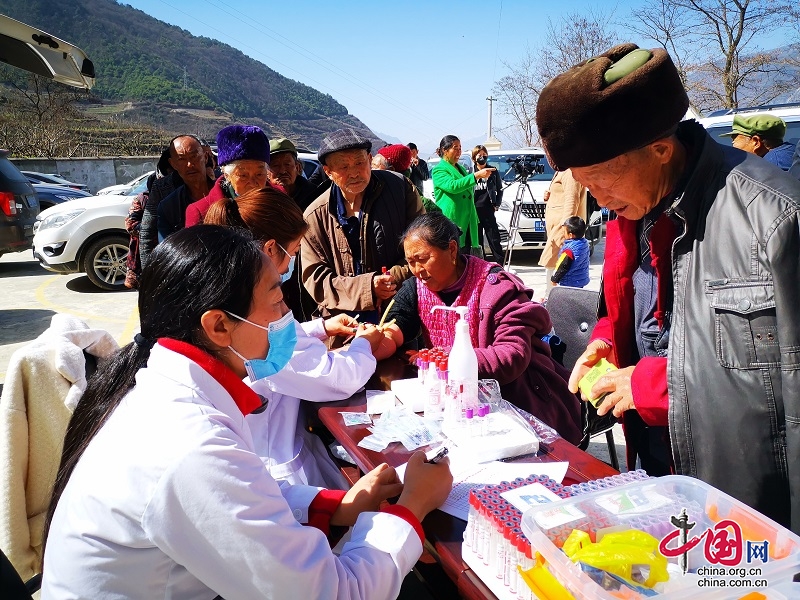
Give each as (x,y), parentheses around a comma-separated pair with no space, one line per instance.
(526,496)
(379,401)
(467,476)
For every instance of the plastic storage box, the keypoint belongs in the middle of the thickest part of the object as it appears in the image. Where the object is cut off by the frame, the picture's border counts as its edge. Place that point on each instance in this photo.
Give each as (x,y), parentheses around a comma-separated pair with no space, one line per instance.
(740,552)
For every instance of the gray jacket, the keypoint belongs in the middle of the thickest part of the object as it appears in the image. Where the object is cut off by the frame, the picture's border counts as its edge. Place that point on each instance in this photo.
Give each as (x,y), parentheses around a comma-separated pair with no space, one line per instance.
(734,350)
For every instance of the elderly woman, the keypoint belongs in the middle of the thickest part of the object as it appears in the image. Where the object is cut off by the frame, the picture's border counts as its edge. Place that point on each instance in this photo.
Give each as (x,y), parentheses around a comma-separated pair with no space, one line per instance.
(506,327)
(453,190)
(243,155)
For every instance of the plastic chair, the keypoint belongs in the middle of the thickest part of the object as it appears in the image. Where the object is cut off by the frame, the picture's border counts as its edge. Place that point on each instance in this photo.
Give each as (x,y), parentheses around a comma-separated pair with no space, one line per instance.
(573,312)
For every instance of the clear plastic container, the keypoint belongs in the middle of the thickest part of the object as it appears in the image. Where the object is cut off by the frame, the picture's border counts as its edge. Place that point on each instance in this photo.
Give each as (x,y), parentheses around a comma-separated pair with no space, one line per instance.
(650,506)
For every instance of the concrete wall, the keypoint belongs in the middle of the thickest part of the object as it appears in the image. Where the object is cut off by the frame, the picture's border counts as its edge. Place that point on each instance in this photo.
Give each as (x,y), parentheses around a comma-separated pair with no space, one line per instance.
(97,173)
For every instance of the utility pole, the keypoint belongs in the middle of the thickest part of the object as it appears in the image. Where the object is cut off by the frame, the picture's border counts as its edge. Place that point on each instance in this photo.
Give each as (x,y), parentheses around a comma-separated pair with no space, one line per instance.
(492,143)
(490,99)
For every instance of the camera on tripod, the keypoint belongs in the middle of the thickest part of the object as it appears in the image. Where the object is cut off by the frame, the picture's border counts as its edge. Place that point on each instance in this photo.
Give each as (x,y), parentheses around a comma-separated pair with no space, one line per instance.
(526,165)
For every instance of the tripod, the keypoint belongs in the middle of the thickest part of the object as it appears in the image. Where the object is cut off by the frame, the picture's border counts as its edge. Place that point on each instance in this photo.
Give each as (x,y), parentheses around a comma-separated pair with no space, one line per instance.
(516,211)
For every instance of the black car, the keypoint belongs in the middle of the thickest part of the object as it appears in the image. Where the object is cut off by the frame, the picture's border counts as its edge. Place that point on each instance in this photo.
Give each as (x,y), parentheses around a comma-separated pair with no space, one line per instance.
(18,208)
(50,195)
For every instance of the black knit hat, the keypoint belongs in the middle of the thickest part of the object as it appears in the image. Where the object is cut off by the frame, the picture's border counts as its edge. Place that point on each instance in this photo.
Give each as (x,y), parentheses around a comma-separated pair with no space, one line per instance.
(609,105)
(342,139)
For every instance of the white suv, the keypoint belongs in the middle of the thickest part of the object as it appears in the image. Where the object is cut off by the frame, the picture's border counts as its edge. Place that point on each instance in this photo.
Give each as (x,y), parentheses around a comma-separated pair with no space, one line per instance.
(532,232)
(87,235)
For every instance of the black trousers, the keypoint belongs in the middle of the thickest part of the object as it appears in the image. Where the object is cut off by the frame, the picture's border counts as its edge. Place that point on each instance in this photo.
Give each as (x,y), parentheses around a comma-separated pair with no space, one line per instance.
(487,222)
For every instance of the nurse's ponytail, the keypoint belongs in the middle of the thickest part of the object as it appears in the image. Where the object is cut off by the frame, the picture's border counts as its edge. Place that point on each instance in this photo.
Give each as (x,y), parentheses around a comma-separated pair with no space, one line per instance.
(194,270)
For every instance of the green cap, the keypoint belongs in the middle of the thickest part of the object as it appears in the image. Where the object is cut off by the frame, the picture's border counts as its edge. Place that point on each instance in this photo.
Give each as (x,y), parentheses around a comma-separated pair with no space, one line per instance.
(765,126)
(281,145)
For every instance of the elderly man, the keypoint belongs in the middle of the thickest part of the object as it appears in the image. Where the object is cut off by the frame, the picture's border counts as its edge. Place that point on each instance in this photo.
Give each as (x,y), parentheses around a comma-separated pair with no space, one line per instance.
(762,135)
(286,171)
(354,230)
(191,161)
(701,279)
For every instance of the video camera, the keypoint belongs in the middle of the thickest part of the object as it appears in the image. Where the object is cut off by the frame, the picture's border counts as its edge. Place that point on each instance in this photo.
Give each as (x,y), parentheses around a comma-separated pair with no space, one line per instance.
(526,165)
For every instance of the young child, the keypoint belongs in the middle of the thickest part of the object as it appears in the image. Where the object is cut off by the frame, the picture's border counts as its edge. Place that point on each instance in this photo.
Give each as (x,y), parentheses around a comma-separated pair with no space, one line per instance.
(572,266)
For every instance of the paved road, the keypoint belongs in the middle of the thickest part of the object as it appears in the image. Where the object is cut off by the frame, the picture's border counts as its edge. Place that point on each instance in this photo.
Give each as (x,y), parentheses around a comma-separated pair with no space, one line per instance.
(31,296)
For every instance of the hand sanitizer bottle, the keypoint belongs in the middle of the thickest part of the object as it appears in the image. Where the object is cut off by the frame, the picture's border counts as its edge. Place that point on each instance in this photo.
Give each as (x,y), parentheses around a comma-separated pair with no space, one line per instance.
(462,363)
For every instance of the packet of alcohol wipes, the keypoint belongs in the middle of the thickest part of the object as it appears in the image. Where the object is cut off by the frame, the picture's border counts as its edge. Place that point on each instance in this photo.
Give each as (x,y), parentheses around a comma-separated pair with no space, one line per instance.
(356,418)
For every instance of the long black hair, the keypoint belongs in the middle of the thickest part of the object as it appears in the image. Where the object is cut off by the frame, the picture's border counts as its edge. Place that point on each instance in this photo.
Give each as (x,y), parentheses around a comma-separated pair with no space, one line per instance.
(192,271)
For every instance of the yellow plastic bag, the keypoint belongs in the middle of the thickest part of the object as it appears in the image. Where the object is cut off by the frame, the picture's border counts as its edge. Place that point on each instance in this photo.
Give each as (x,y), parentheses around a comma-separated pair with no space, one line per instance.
(619,553)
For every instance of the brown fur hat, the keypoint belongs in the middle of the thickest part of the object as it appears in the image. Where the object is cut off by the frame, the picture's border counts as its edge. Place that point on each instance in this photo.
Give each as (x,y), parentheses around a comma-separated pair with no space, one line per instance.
(583,120)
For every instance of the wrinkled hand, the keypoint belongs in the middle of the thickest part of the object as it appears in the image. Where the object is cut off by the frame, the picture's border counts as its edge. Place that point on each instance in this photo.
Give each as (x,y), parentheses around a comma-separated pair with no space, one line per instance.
(384,286)
(367,494)
(484,173)
(426,485)
(618,386)
(372,334)
(594,351)
(342,324)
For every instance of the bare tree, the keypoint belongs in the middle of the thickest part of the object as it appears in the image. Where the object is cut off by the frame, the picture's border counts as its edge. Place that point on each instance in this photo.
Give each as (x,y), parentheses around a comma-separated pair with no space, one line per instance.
(572,39)
(714,44)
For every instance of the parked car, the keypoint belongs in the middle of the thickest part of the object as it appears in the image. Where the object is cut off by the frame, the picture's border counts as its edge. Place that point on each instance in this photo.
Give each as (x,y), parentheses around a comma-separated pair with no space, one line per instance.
(87,235)
(37,51)
(465,160)
(50,195)
(124,188)
(721,121)
(53,179)
(18,208)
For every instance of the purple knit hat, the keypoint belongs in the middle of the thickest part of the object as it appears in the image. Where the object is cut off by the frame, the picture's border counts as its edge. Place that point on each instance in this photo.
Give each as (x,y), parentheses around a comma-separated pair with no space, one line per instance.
(242,142)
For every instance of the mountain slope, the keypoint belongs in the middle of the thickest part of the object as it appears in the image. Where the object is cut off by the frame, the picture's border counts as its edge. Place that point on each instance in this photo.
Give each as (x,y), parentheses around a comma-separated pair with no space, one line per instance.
(142,60)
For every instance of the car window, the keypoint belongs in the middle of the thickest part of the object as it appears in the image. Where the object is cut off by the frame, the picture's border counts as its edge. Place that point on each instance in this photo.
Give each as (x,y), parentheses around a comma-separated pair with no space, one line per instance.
(502,163)
(138,188)
(309,166)
(10,172)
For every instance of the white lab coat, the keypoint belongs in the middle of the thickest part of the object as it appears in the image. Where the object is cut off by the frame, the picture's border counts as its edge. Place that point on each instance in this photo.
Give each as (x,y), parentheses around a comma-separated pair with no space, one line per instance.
(170,500)
(289,451)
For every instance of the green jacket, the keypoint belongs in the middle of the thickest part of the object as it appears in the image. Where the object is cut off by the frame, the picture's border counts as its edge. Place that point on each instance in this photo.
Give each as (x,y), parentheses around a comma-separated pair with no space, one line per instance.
(453,189)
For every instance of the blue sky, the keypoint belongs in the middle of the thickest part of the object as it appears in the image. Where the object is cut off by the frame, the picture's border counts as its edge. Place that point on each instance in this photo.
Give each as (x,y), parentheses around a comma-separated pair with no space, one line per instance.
(415,71)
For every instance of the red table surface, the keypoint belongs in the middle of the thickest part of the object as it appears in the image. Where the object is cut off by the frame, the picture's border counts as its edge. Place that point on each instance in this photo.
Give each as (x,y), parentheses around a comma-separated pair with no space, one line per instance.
(444,533)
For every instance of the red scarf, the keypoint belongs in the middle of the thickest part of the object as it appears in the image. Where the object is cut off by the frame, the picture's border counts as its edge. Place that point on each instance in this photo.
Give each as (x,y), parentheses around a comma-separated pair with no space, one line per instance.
(246,399)
(439,327)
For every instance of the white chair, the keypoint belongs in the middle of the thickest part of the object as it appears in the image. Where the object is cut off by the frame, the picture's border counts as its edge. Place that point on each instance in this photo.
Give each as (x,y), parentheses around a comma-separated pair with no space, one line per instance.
(44,381)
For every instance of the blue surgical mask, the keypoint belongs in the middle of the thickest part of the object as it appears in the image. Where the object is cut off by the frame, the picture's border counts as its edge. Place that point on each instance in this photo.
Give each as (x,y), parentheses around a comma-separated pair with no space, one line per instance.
(282,338)
(285,277)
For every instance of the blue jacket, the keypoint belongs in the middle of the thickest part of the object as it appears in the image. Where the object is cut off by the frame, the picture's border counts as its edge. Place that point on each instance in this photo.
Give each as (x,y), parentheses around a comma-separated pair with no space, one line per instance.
(578,274)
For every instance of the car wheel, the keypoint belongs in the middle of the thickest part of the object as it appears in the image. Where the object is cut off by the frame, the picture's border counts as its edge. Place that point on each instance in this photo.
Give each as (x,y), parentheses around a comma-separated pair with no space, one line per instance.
(104,262)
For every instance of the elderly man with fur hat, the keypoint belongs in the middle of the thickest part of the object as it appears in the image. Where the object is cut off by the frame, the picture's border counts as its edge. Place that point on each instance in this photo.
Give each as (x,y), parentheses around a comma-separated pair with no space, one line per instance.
(700,283)
(354,230)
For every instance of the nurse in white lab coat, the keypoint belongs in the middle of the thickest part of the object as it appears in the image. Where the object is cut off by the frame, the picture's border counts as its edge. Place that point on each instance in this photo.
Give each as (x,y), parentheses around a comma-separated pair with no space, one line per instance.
(161,493)
(315,374)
